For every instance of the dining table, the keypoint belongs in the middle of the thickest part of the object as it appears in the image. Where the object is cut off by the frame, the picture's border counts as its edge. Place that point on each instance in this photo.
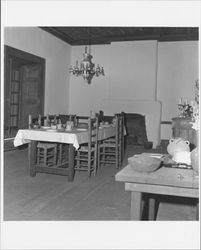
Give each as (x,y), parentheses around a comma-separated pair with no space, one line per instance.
(73,137)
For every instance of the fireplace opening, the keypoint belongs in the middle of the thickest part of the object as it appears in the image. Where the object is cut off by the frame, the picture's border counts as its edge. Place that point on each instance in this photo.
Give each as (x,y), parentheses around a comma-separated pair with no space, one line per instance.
(136,129)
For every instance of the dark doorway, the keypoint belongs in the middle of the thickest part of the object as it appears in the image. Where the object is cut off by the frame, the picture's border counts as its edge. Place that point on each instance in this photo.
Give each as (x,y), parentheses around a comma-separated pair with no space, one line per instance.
(24,84)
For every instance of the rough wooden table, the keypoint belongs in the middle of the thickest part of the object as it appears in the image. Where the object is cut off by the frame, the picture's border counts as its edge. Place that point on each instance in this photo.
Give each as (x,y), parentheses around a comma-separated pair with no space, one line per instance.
(74,138)
(165,181)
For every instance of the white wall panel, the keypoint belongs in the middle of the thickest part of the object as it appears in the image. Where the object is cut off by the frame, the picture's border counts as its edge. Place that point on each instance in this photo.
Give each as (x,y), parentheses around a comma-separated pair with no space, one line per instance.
(178,70)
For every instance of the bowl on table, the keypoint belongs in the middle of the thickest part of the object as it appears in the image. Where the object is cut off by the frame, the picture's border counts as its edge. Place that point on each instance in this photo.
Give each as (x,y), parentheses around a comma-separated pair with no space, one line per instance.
(36,126)
(54,127)
(144,163)
(45,127)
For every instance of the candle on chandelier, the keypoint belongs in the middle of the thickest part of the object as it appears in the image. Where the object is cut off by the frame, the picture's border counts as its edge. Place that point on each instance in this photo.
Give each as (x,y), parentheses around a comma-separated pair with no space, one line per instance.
(180,101)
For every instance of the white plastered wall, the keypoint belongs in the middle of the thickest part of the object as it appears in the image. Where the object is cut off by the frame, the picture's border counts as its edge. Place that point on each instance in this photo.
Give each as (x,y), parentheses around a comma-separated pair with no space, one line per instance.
(178,69)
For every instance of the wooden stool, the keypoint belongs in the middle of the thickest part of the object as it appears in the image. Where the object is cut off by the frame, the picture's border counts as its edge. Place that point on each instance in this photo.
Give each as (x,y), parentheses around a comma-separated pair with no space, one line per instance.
(47,154)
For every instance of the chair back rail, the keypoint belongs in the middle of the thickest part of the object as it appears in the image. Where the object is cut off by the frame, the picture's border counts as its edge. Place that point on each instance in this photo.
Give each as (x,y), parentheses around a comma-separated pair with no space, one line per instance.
(40,120)
(82,121)
(70,117)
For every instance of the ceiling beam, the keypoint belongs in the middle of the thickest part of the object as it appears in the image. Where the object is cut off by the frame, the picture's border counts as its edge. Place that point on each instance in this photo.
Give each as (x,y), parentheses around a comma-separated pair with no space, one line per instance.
(106,35)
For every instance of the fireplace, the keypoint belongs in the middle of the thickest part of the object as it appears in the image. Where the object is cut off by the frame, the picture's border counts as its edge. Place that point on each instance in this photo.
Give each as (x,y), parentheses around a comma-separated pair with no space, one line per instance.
(150,109)
(135,129)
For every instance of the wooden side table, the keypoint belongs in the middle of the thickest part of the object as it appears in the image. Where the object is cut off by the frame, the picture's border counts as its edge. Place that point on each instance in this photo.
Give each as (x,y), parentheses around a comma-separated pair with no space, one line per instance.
(165,181)
(182,127)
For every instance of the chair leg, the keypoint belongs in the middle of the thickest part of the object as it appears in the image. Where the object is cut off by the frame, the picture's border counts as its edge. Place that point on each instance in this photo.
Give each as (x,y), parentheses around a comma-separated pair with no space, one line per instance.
(197,210)
(120,156)
(45,157)
(60,154)
(89,164)
(103,155)
(38,157)
(116,157)
(55,156)
(95,161)
(78,161)
(98,157)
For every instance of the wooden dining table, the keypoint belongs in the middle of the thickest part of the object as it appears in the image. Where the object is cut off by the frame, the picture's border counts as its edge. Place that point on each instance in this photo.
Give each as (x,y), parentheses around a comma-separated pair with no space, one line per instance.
(164,181)
(74,138)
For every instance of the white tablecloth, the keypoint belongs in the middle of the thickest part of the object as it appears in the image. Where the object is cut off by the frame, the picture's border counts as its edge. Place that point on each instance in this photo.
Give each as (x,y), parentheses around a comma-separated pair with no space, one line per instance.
(75,137)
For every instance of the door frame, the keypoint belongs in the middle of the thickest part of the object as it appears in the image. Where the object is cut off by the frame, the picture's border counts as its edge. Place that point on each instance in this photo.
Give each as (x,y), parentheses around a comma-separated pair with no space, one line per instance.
(10,52)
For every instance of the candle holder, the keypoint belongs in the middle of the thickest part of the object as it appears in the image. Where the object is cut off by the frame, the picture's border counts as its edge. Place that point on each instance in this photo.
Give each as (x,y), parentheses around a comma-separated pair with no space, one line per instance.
(186,110)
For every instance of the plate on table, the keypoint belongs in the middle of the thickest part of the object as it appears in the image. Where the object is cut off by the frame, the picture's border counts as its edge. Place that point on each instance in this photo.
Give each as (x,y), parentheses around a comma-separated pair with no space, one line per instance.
(51,130)
(106,125)
(61,130)
(46,127)
(81,129)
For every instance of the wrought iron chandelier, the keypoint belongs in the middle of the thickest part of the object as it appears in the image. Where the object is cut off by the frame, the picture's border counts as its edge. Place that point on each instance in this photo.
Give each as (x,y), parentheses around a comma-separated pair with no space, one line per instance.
(87,68)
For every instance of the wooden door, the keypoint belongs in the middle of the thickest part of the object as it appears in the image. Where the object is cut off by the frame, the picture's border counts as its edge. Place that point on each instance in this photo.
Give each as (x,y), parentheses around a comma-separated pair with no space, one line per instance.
(12,89)
(32,93)
(14,97)
(24,80)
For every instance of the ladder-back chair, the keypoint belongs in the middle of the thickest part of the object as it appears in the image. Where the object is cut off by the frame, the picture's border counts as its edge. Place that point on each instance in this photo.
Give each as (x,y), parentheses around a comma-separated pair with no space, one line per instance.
(86,155)
(66,118)
(46,151)
(110,150)
(62,147)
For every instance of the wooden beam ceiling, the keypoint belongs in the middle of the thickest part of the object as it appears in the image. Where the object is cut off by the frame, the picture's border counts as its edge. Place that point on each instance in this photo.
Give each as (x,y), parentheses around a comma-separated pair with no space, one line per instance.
(106,35)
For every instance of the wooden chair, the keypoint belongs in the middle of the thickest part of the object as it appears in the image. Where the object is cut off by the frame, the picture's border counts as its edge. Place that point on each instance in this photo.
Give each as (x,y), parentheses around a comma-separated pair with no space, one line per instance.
(82,122)
(123,135)
(109,119)
(110,150)
(86,155)
(37,122)
(62,148)
(62,153)
(65,118)
(105,118)
(46,152)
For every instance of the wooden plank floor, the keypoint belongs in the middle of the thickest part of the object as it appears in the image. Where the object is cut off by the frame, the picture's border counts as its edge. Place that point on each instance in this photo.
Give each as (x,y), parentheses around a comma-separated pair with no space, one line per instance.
(52,197)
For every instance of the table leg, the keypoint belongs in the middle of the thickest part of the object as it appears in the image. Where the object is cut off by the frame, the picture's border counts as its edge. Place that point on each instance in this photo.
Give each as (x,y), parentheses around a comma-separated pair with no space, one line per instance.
(197,210)
(71,170)
(151,208)
(32,158)
(136,204)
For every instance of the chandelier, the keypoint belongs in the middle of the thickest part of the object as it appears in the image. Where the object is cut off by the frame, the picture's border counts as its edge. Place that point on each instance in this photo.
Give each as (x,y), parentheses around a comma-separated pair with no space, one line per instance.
(87,68)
